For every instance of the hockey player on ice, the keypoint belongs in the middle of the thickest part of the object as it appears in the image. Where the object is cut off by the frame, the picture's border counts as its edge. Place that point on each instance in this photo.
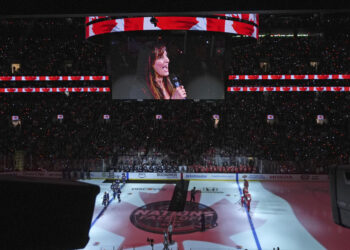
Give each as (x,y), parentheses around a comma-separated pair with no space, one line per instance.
(114,188)
(105,199)
(117,182)
(246,199)
(123,178)
(246,184)
(118,191)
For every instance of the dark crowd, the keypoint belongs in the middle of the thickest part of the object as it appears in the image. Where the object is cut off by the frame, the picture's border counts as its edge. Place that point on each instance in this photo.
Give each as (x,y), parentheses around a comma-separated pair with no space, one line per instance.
(49,46)
(186,139)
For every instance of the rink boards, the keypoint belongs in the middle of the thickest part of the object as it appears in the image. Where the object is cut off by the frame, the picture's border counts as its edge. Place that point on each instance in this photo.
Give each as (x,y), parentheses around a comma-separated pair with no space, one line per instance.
(210,176)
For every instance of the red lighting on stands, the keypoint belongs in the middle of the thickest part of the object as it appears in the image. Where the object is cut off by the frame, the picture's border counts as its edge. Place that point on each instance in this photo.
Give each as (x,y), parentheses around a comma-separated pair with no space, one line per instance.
(290,77)
(53,78)
(56,90)
(289,89)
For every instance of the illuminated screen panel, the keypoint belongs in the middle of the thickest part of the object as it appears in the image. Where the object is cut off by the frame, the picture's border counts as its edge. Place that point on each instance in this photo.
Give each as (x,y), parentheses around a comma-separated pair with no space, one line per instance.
(169,57)
(240,24)
(169,66)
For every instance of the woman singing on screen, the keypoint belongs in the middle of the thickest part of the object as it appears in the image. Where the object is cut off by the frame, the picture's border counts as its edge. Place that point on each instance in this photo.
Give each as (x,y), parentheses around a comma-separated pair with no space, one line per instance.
(157,76)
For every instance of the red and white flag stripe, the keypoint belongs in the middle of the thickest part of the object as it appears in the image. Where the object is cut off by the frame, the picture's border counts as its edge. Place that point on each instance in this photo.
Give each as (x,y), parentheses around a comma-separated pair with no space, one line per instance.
(289,89)
(210,23)
(54,90)
(289,77)
(53,78)
(247,17)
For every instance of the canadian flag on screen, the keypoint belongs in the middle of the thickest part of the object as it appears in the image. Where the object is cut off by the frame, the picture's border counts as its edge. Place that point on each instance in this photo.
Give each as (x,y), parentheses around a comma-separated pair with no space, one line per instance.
(270,117)
(216,117)
(118,25)
(159,117)
(320,117)
(200,25)
(106,117)
(148,25)
(15,118)
(59,117)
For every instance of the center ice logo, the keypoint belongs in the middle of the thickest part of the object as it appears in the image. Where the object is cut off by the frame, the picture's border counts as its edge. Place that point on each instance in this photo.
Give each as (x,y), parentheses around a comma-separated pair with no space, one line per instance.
(155,218)
(224,218)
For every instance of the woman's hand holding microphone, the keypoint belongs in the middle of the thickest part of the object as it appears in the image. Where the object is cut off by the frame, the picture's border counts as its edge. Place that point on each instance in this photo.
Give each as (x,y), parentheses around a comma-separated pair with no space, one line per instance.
(180,92)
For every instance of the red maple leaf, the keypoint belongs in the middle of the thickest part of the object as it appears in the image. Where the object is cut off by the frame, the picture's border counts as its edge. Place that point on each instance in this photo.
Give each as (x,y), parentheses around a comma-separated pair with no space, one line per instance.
(116,219)
(120,213)
(311,204)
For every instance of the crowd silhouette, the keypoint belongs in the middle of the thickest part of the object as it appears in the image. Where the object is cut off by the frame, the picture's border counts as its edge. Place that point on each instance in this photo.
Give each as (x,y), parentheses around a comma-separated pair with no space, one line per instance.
(186,138)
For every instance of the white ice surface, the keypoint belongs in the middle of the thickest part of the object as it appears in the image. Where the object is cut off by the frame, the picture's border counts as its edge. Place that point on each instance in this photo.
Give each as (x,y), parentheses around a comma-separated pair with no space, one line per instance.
(281,227)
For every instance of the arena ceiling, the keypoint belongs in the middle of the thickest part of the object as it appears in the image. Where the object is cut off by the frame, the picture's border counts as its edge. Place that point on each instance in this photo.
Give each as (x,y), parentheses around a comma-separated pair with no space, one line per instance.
(18,8)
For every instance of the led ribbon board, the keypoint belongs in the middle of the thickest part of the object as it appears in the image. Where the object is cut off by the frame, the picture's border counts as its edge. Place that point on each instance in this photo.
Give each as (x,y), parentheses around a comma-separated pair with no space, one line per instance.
(240,24)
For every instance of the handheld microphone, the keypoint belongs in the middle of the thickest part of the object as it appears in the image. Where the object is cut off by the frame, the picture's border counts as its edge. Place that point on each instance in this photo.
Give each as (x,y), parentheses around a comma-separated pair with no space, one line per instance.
(176,82)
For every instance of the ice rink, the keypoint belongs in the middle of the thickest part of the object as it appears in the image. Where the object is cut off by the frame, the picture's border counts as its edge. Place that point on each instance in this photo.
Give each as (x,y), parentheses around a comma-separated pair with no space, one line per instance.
(288,215)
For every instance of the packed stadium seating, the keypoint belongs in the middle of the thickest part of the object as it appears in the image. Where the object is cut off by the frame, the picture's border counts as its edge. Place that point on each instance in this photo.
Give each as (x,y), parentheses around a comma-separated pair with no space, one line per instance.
(186,135)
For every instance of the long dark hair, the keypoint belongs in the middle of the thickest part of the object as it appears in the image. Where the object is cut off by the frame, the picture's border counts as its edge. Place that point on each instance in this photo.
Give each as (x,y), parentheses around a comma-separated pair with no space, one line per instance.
(156,52)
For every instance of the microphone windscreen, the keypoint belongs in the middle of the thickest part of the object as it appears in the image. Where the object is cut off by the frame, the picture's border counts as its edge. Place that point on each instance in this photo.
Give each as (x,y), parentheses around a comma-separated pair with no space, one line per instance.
(175,80)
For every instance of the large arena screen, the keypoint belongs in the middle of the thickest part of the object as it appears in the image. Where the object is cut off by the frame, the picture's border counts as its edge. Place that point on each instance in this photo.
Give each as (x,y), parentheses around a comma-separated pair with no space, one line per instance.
(173,58)
(163,69)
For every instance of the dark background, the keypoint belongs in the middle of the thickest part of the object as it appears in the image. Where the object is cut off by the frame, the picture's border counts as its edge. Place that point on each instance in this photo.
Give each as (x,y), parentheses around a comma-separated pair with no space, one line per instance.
(140,6)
